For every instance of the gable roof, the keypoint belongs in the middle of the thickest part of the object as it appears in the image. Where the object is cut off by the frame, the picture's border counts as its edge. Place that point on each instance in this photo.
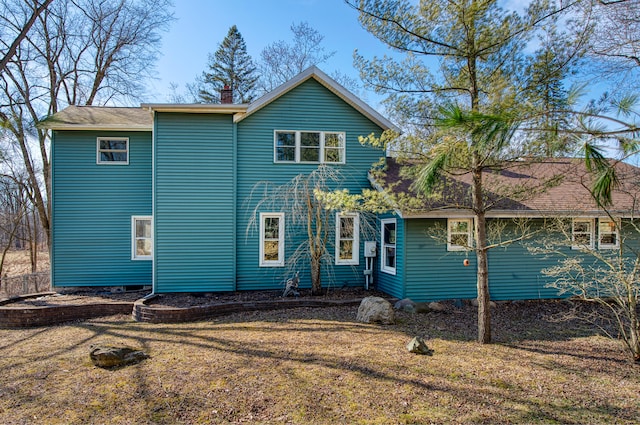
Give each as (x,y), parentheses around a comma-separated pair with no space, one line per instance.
(329,83)
(99,118)
(552,187)
(140,119)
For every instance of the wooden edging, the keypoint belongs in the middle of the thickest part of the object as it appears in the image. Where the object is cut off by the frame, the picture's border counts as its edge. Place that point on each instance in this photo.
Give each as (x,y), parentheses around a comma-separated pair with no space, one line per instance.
(142,312)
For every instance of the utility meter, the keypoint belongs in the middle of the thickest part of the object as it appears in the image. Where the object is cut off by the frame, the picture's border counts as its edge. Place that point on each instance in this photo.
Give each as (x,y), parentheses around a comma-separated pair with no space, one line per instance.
(370,249)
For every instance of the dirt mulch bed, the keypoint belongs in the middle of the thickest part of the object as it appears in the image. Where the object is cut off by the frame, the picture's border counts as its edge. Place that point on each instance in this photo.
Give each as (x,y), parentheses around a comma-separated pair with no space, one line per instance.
(204,299)
(76,298)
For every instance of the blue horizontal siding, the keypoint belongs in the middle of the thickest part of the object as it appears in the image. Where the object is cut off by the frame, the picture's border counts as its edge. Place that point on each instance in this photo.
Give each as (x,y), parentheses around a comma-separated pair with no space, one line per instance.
(433,273)
(194,203)
(309,107)
(92,208)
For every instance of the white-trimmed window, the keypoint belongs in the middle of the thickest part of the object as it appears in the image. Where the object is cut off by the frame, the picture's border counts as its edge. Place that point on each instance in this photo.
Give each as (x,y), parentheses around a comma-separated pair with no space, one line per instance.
(312,147)
(459,234)
(582,233)
(388,244)
(347,238)
(141,237)
(271,239)
(112,150)
(608,237)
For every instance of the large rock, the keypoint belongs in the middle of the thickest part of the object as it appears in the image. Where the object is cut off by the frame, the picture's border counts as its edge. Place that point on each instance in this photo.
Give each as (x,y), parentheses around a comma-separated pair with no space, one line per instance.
(375,310)
(110,357)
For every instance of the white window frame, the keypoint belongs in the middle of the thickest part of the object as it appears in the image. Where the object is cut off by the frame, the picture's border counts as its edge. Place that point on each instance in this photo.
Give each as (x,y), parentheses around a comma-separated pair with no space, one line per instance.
(135,237)
(280,261)
(590,233)
(99,150)
(455,247)
(322,149)
(615,232)
(384,245)
(355,238)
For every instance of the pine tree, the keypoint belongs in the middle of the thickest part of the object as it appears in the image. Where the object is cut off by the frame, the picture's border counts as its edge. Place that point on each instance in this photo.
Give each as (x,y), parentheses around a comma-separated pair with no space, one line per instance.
(231,66)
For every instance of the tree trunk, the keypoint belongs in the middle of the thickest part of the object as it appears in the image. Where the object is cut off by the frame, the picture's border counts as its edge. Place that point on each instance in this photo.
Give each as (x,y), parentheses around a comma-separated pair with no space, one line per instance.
(480,233)
(316,280)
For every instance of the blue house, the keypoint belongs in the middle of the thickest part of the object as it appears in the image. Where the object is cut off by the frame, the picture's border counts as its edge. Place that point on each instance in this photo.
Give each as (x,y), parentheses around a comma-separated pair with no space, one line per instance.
(161,195)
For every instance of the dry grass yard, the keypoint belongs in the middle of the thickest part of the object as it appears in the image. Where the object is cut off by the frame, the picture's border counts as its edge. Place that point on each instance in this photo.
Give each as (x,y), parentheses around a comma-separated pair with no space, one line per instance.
(321,367)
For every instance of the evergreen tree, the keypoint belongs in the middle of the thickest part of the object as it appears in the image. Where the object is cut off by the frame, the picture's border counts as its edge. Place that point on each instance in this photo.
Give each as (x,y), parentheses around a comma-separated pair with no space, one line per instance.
(231,66)
(460,93)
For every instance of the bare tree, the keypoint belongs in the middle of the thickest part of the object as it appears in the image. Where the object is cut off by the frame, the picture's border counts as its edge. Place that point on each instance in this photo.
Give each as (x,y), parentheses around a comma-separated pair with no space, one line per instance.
(281,60)
(608,278)
(306,208)
(77,53)
(22,29)
(615,41)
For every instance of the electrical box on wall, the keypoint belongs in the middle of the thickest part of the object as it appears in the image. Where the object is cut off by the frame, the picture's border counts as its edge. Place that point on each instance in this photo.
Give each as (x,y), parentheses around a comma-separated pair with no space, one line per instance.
(370,248)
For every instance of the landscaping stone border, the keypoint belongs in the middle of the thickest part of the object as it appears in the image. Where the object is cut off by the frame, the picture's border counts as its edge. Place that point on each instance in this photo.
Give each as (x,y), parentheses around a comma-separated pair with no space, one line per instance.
(143,312)
(31,316)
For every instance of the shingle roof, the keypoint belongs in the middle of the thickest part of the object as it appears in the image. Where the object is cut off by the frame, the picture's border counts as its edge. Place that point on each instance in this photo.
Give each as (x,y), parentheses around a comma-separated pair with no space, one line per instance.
(550,187)
(99,118)
(110,118)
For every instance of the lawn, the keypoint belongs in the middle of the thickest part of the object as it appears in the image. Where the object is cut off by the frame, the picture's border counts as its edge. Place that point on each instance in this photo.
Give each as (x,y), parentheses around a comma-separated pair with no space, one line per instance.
(319,366)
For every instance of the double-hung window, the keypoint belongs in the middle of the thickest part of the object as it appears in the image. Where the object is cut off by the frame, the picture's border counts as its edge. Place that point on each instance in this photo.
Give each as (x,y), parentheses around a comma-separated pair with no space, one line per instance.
(112,150)
(312,147)
(141,238)
(271,239)
(582,233)
(608,237)
(388,238)
(459,234)
(347,238)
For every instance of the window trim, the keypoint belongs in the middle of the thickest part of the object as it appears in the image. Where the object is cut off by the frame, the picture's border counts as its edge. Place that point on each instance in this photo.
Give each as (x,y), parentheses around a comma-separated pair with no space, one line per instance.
(98,151)
(383,256)
(591,233)
(321,148)
(280,261)
(454,247)
(134,238)
(616,232)
(355,250)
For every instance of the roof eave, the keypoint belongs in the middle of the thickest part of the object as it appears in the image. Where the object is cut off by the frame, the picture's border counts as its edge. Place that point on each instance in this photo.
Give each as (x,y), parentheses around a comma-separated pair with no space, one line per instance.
(465,213)
(97,127)
(196,108)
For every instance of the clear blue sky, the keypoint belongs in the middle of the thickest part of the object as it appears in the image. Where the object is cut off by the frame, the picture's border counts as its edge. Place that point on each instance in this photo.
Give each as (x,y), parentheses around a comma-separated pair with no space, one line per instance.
(202,24)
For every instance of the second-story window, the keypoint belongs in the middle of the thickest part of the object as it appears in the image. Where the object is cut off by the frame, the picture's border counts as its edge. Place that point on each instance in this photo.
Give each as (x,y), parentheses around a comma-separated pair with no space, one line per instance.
(113,150)
(312,147)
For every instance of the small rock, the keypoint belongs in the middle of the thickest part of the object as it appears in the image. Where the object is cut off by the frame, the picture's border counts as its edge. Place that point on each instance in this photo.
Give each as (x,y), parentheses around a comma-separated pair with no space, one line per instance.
(375,310)
(474,302)
(438,307)
(418,346)
(457,303)
(405,305)
(109,357)
(422,308)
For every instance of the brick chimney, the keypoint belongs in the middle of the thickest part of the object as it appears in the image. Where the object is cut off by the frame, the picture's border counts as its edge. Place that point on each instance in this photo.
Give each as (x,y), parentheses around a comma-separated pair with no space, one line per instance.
(226,95)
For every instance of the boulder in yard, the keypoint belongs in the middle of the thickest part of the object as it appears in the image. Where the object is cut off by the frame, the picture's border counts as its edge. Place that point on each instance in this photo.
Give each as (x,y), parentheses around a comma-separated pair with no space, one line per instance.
(375,310)
(111,357)
(418,346)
